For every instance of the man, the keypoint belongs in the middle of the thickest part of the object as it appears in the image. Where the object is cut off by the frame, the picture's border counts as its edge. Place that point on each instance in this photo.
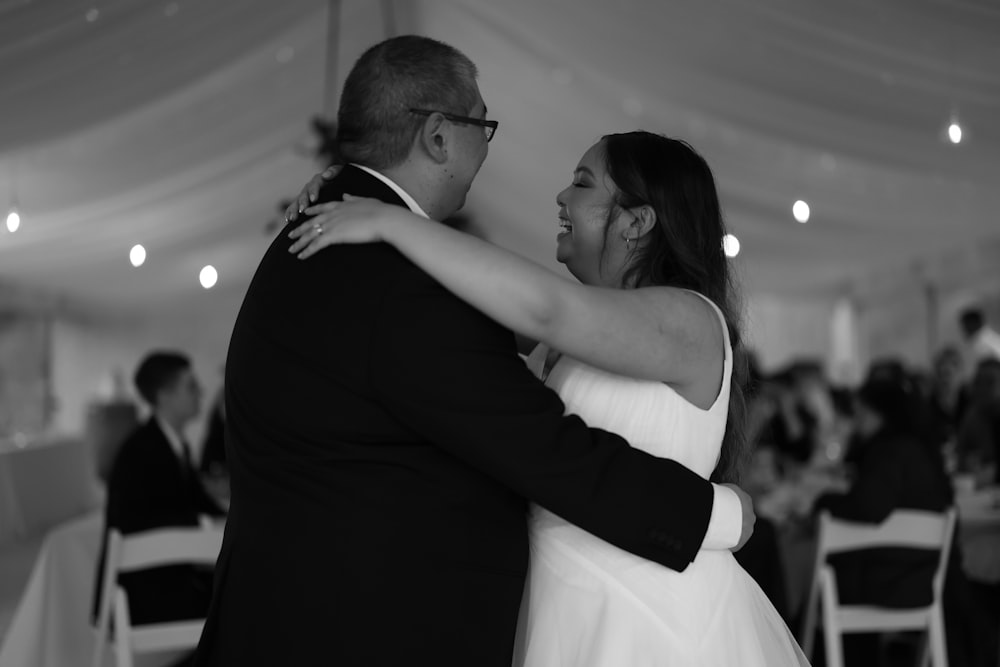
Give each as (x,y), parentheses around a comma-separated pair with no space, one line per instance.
(382,436)
(153,484)
(983,342)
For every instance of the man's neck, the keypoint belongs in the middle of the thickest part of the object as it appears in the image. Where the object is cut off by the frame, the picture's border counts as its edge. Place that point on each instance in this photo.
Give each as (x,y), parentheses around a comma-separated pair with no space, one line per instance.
(423,191)
(176,425)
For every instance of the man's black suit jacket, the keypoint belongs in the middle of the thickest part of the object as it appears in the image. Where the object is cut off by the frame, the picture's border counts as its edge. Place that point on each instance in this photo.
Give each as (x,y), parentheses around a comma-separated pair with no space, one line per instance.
(151,487)
(382,438)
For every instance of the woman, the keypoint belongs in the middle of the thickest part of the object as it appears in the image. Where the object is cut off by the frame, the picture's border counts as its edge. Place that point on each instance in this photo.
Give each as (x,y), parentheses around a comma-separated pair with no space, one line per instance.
(643,347)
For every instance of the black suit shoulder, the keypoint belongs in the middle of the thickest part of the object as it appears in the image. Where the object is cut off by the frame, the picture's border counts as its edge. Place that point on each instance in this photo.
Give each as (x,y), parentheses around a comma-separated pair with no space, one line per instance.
(146,445)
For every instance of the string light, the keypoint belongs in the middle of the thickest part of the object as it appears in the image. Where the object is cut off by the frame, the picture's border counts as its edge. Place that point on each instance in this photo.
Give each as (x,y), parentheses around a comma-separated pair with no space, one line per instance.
(208,276)
(955,132)
(800,210)
(137,255)
(13,220)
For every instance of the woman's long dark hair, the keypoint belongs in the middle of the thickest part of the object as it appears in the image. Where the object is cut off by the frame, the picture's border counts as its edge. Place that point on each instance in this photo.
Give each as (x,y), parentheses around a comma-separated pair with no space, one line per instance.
(684,250)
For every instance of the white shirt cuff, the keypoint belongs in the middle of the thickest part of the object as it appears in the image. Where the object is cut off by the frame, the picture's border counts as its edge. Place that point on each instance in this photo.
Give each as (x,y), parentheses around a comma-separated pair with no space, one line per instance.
(726,524)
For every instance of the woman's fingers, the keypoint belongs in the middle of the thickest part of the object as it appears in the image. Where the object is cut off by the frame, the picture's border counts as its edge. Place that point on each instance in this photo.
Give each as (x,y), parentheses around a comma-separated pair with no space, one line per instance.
(310,193)
(310,250)
(305,235)
(301,229)
(292,212)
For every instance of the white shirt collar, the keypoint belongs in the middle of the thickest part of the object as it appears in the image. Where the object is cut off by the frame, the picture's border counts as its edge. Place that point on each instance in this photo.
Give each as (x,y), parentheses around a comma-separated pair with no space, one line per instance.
(410,202)
(173,437)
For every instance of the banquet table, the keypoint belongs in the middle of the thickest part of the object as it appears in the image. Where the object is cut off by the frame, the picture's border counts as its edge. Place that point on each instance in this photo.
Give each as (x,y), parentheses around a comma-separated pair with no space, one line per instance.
(44,482)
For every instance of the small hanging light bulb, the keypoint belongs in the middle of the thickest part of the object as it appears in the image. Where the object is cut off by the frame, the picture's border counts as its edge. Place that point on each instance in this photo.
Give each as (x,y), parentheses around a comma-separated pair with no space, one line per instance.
(137,255)
(955,132)
(13,220)
(208,276)
(800,210)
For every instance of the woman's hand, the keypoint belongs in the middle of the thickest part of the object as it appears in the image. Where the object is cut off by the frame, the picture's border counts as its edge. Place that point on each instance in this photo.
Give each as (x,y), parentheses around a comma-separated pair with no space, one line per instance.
(310,192)
(354,220)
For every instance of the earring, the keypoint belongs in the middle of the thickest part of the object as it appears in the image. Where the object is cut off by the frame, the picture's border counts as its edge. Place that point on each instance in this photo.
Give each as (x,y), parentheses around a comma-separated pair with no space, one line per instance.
(627,247)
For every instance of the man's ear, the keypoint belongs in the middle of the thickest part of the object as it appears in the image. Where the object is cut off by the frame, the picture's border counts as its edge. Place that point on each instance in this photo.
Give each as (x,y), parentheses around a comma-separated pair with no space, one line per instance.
(434,138)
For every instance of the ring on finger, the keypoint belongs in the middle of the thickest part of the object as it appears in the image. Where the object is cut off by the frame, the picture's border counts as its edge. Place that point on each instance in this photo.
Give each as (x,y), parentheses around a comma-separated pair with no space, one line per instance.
(319,229)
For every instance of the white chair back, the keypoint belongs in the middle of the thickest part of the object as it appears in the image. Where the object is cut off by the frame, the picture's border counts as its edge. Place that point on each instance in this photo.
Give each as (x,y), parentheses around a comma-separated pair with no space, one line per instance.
(903,528)
(140,551)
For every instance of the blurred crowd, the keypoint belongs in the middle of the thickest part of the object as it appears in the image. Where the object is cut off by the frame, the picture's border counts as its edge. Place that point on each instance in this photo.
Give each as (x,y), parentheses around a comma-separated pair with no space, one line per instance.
(906,438)
(799,418)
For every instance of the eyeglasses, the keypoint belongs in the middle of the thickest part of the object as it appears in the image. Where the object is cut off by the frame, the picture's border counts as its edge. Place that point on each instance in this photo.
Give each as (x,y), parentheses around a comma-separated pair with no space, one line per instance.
(489,126)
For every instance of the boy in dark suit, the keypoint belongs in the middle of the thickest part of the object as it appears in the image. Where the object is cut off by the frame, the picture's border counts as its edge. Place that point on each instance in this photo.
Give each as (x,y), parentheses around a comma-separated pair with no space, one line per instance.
(154,484)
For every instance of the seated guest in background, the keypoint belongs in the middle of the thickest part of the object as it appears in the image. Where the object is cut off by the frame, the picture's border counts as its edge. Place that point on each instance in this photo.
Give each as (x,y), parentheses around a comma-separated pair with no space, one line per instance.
(979,433)
(153,484)
(793,411)
(983,341)
(949,396)
(898,468)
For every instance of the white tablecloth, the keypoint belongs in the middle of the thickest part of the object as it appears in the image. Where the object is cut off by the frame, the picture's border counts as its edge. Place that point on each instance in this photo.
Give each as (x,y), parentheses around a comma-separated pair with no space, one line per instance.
(44,484)
(51,625)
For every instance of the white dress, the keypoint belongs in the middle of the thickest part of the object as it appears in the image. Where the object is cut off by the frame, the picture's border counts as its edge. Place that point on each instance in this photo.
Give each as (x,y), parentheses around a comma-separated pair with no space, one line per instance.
(588,603)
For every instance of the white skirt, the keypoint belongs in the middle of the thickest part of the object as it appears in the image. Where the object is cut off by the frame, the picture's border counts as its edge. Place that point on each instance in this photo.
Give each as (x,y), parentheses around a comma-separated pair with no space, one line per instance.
(590,604)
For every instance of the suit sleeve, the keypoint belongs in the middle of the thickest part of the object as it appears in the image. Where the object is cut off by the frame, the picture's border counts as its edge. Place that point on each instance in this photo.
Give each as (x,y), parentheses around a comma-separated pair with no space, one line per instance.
(453,376)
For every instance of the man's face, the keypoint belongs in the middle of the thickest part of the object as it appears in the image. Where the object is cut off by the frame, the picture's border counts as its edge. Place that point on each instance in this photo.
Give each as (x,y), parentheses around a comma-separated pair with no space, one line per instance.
(471,149)
(182,399)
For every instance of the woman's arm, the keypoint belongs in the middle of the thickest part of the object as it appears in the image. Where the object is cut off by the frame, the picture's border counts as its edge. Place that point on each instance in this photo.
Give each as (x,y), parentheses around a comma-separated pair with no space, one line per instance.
(656,333)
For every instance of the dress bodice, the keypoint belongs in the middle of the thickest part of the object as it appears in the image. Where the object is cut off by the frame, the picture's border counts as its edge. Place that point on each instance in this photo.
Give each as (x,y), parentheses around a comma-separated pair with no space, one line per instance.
(651,415)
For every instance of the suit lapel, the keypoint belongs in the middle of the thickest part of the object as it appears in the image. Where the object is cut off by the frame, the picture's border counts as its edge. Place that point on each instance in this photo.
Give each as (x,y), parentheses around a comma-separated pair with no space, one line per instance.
(165,451)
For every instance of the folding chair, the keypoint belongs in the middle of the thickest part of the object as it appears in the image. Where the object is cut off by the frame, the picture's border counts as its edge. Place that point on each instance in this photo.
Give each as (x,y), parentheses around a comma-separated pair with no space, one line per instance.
(140,551)
(903,528)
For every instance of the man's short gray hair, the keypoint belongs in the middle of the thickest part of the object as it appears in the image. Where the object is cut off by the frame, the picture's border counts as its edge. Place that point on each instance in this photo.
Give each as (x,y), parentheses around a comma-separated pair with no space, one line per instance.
(375,126)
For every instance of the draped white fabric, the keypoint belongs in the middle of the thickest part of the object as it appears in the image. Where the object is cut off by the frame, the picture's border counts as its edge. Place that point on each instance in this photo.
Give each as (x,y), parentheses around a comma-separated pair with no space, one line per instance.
(179,125)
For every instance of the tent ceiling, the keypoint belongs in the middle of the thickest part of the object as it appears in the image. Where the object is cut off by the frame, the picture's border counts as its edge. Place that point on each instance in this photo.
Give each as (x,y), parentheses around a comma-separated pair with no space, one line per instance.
(180,125)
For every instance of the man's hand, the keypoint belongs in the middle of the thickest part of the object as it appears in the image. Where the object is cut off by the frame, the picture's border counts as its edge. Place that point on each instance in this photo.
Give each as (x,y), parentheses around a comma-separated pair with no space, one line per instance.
(749,518)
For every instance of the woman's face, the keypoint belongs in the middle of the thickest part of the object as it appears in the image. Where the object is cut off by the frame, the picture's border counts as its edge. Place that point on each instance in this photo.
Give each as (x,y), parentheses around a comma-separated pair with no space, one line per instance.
(596,255)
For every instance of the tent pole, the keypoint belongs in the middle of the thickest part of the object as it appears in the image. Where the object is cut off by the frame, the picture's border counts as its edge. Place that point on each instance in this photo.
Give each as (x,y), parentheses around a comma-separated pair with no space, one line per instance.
(932,308)
(332,50)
